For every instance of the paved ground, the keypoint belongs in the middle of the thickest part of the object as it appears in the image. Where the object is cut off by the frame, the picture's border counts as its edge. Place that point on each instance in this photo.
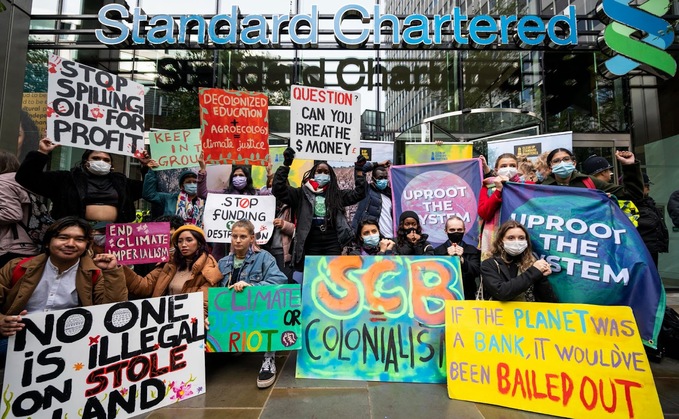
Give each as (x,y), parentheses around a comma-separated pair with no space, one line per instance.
(232,393)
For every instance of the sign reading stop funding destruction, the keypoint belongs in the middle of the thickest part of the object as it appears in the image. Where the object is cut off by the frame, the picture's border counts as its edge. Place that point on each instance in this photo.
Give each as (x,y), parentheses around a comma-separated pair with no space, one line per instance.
(107,361)
(93,109)
(139,242)
(572,360)
(258,319)
(325,124)
(222,210)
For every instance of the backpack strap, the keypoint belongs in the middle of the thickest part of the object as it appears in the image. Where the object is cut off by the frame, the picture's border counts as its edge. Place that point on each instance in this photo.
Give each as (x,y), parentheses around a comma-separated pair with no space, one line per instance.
(19,270)
(589,183)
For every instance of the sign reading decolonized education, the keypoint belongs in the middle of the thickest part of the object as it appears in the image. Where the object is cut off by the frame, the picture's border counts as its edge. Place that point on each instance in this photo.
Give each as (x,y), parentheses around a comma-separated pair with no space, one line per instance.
(376,318)
(436,192)
(325,124)
(596,254)
(114,360)
(417,153)
(139,242)
(222,210)
(571,360)
(258,319)
(93,109)
(234,126)
(176,149)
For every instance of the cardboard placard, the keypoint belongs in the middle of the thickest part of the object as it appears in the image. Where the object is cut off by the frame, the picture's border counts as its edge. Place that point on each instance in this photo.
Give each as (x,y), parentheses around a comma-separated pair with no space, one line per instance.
(138,243)
(222,210)
(176,149)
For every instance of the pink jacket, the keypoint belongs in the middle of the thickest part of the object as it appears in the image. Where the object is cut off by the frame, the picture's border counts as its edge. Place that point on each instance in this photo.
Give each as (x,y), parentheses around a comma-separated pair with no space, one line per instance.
(14,207)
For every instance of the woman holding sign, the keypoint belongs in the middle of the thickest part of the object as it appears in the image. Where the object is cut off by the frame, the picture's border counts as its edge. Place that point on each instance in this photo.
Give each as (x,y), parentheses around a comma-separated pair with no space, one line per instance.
(322,226)
(247,266)
(513,273)
(191,268)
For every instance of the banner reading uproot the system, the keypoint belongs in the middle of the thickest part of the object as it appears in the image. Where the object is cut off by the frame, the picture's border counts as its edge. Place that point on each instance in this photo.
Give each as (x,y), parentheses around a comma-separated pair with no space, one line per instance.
(376,318)
(258,319)
(176,149)
(114,360)
(570,360)
(93,109)
(596,254)
(139,242)
(234,126)
(325,124)
(222,210)
(430,152)
(436,192)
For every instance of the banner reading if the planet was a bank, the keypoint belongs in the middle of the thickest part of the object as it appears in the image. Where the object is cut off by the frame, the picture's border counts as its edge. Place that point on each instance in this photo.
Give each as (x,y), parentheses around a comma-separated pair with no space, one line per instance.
(596,254)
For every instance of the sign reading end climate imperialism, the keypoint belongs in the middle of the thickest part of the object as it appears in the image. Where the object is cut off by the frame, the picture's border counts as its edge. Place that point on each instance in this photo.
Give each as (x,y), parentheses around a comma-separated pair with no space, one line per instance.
(93,109)
(571,360)
(137,243)
(376,318)
(107,361)
(325,124)
(234,126)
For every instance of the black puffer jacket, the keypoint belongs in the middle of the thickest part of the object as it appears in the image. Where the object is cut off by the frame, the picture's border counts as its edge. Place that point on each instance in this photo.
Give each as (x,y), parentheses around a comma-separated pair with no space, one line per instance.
(652,228)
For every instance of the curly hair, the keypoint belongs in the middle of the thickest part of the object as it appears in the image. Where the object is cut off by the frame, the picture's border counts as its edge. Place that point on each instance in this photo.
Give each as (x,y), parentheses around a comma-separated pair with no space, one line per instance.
(497,247)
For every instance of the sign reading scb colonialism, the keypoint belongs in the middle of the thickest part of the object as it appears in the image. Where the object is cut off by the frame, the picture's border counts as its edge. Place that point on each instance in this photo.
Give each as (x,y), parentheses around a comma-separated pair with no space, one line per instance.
(222,210)
(115,360)
(570,360)
(93,109)
(325,124)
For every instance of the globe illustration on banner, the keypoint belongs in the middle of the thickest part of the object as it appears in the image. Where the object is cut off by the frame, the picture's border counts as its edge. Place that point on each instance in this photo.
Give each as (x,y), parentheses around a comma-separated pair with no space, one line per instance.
(437,195)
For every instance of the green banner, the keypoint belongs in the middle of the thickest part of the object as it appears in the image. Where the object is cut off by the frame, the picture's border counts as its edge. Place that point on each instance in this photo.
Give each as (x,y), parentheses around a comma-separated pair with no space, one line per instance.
(418,153)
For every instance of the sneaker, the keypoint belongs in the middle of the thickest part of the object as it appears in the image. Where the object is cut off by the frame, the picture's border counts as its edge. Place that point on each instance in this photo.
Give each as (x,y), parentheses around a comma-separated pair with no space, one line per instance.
(267,374)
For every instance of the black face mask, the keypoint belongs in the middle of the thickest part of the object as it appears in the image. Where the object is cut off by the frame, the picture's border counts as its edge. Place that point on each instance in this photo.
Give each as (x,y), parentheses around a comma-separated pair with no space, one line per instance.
(455,237)
(410,230)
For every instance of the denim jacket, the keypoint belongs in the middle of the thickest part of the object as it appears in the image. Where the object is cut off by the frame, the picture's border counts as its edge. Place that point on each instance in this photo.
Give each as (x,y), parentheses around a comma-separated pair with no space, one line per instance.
(259,269)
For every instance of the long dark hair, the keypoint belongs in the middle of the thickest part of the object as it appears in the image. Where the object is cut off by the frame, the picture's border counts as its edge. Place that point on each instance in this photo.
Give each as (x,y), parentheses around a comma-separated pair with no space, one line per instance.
(31,134)
(248,190)
(366,221)
(8,162)
(551,154)
(333,198)
(184,263)
(401,238)
(498,250)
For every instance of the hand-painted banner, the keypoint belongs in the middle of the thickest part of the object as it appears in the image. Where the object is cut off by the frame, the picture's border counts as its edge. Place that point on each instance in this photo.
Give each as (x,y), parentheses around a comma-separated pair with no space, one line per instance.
(176,149)
(114,360)
(258,319)
(139,243)
(222,210)
(93,109)
(570,360)
(596,254)
(417,153)
(436,192)
(234,127)
(325,124)
(530,147)
(376,318)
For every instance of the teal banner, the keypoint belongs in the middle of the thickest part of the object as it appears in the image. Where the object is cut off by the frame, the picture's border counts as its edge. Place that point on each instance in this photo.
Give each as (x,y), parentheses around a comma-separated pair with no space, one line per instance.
(258,319)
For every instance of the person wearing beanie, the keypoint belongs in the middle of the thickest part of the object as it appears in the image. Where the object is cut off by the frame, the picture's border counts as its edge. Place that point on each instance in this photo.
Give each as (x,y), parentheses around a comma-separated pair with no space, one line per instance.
(91,190)
(190,269)
(409,238)
(185,204)
(598,167)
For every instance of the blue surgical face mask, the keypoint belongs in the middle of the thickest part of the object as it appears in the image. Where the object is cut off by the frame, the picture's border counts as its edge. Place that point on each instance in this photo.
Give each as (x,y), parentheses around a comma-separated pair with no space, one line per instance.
(191,188)
(540,176)
(372,240)
(563,169)
(322,178)
(382,184)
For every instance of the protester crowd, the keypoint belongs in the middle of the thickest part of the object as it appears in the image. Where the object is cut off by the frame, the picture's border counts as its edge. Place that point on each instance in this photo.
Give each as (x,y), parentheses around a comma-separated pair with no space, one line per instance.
(68,266)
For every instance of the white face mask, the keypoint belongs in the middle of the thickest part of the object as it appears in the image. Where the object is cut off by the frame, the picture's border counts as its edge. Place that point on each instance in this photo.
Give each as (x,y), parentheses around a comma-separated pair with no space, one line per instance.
(98,167)
(515,247)
(508,172)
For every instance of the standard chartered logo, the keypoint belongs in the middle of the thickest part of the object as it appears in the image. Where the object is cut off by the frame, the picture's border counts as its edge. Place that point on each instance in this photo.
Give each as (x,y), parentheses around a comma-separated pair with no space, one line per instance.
(629,50)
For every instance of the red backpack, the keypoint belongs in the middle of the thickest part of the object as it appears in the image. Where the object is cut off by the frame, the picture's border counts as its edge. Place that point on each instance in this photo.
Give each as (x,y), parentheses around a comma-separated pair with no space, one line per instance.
(20,270)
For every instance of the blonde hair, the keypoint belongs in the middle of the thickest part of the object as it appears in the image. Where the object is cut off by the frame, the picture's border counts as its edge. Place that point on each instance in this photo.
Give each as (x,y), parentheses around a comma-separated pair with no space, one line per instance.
(250,228)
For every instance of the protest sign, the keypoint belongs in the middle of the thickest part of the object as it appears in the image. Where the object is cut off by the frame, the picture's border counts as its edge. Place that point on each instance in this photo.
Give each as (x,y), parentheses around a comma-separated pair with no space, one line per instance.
(114,360)
(436,192)
(529,147)
(93,109)
(221,211)
(35,105)
(176,149)
(375,318)
(596,254)
(571,360)
(139,242)
(417,153)
(234,126)
(258,319)
(325,124)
